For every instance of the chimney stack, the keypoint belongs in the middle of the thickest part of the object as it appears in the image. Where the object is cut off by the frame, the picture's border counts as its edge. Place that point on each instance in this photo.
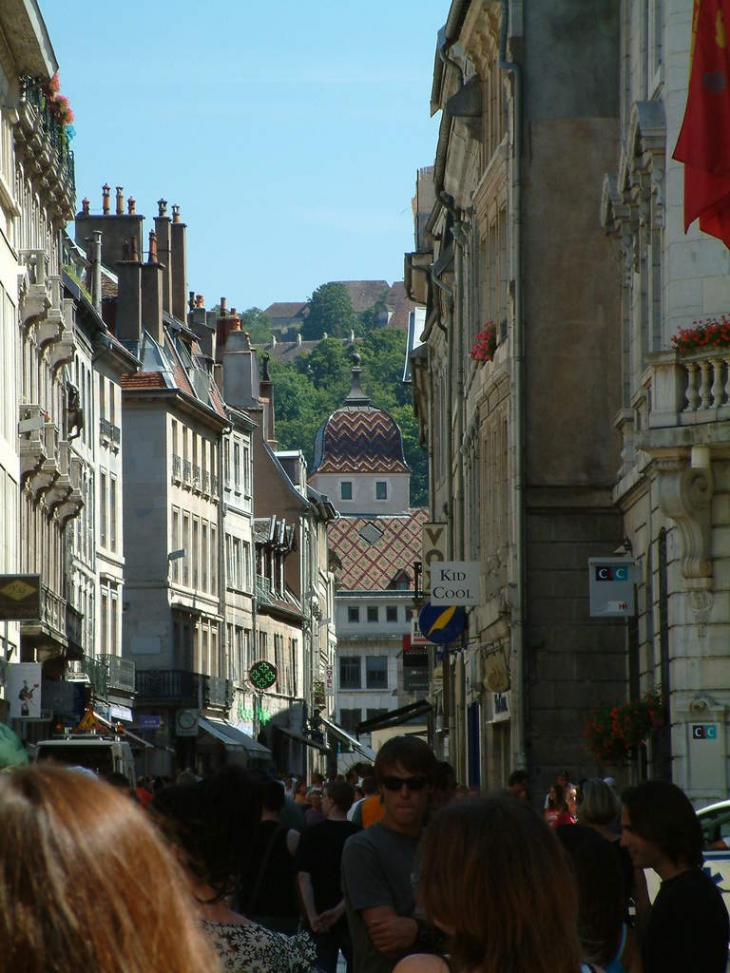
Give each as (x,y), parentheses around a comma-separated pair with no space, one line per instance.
(152,278)
(179,265)
(131,205)
(105,191)
(117,227)
(164,252)
(129,301)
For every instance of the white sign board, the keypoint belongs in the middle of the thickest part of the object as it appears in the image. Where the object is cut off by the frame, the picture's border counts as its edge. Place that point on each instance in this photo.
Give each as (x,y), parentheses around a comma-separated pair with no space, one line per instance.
(23,690)
(456,583)
(611,586)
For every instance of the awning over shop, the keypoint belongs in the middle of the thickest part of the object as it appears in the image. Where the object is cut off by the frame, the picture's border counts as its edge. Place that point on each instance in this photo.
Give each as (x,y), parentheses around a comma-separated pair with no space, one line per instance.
(233,738)
(367,752)
(396,717)
(308,741)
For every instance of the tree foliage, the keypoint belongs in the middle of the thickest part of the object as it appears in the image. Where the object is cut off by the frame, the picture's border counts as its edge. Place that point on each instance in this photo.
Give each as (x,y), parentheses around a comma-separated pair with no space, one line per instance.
(330,312)
(257,323)
(314,385)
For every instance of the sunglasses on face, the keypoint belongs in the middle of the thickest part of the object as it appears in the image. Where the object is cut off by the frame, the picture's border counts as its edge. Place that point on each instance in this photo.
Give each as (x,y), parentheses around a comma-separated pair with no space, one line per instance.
(412,783)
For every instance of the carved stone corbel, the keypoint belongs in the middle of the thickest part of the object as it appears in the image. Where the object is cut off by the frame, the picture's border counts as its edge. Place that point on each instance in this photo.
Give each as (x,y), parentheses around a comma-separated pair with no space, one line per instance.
(685,495)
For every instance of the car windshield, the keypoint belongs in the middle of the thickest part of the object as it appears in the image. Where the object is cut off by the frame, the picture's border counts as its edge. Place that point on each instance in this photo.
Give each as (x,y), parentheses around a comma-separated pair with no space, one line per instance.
(716,827)
(98,759)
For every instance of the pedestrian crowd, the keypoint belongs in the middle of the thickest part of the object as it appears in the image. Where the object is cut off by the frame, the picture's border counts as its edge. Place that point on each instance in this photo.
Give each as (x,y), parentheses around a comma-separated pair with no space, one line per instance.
(395,868)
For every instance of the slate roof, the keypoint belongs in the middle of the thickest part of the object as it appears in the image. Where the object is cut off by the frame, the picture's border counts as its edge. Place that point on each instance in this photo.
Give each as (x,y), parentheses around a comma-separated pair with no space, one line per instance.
(364,293)
(284,309)
(360,439)
(376,561)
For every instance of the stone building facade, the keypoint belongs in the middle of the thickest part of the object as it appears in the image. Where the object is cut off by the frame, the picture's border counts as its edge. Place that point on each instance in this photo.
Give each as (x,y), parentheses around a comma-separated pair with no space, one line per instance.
(522,454)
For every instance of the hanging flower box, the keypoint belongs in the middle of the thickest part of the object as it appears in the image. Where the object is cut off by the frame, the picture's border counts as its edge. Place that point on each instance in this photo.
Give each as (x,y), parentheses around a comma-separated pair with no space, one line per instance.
(613,731)
(703,336)
(485,343)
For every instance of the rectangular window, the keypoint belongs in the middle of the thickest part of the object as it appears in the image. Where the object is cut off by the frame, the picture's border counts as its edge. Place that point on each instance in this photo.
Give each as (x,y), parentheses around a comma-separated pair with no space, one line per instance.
(381,490)
(345,490)
(213,560)
(237,467)
(187,549)
(376,672)
(391,614)
(246,471)
(349,719)
(104,508)
(353,615)
(196,552)
(350,677)
(204,557)
(374,714)
(175,542)
(112,513)
(372,613)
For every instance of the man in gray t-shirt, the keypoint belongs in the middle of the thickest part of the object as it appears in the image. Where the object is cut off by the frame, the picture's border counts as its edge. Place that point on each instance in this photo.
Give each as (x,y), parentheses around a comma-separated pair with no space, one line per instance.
(378,863)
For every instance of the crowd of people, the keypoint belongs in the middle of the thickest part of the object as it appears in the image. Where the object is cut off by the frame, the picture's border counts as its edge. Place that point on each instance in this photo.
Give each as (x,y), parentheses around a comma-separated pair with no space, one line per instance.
(395,868)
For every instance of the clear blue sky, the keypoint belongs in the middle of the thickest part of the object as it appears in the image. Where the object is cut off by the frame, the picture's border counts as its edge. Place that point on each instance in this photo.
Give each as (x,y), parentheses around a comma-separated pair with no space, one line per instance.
(289,131)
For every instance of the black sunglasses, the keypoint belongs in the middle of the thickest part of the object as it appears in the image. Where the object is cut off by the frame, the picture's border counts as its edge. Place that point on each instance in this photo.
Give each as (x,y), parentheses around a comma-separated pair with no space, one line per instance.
(412,783)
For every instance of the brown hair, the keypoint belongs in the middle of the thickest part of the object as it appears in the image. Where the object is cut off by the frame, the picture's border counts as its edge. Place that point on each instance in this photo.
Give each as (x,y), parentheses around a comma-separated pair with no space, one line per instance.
(412,753)
(86,882)
(500,901)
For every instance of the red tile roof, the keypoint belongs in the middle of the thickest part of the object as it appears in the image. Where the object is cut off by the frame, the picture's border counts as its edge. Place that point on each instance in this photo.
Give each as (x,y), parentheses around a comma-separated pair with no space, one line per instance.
(143,380)
(375,566)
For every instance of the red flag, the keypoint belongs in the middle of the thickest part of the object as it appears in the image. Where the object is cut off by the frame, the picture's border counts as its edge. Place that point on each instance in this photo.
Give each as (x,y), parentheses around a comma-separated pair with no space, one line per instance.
(704,140)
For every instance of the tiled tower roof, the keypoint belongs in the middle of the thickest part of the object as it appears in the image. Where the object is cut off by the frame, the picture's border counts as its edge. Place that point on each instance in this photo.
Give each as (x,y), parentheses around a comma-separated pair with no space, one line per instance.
(359,438)
(376,553)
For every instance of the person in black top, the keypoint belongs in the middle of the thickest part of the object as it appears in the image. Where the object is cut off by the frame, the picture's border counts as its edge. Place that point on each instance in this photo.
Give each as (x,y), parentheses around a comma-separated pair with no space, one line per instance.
(686,930)
(318,862)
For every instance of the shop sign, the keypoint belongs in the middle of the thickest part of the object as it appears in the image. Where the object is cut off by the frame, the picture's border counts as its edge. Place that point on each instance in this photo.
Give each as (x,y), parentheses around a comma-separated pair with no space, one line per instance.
(262,674)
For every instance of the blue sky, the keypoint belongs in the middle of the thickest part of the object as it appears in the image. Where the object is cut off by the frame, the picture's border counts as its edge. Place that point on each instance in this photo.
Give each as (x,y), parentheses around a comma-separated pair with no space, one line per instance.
(289,131)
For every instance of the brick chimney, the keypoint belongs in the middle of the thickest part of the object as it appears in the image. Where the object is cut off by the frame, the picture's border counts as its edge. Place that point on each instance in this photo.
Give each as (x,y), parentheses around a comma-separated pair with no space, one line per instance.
(164,252)
(179,265)
(129,300)
(227,321)
(266,387)
(199,324)
(152,293)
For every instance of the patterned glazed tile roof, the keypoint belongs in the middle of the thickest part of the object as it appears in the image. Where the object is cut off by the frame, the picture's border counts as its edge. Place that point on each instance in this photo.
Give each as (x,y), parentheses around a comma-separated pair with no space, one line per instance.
(372,553)
(359,439)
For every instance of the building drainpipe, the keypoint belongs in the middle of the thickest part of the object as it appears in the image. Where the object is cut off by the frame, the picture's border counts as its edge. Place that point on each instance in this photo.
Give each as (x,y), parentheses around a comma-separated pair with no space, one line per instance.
(448,689)
(518,404)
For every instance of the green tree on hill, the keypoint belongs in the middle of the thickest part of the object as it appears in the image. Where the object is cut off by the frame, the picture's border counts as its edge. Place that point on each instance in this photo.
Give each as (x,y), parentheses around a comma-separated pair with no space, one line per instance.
(330,312)
(257,324)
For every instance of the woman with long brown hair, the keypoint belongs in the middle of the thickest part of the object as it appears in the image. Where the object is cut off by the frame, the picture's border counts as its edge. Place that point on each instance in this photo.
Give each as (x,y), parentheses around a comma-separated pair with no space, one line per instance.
(87,883)
(495,879)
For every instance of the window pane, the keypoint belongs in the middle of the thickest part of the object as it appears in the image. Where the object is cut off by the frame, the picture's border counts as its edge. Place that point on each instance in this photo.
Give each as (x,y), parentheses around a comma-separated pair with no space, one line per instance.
(353,614)
(376,672)
(373,613)
(391,614)
(350,672)
(349,718)
(345,490)
(381,490)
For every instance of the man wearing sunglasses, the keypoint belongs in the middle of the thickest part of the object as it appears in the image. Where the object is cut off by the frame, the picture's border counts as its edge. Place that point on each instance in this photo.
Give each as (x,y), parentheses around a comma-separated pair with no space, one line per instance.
(378,863)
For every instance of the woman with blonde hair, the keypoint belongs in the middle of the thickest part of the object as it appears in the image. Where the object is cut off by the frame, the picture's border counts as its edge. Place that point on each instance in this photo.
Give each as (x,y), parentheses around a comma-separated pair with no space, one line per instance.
(87,883)
(495,879)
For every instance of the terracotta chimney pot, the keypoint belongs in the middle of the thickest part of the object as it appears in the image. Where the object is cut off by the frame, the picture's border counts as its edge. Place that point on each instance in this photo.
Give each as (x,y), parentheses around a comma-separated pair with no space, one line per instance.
(85,204)
(131,205)
(120,201)
(175,212)
(162,207)
(199,302)
(105,191)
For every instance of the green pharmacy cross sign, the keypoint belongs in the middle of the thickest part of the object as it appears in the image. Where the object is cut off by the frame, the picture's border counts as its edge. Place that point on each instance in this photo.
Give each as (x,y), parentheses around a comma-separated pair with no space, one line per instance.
(262,674)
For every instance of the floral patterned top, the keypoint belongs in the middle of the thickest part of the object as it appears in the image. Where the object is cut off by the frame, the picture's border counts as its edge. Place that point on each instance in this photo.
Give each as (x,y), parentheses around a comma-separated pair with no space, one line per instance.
(253,949)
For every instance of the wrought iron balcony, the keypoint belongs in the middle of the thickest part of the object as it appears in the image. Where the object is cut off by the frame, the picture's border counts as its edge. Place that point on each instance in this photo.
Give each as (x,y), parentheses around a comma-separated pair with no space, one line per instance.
(97,672)
(181,687)
(40,133)
(121,672)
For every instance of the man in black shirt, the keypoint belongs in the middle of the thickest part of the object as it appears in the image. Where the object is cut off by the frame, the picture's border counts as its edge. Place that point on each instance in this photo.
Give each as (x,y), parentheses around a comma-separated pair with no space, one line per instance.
(318,862)
(686,930)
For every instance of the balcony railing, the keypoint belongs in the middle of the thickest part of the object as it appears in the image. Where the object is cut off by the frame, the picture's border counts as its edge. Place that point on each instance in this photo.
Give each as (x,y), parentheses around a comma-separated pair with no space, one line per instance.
(686,390)
(183,688)
(98,674)
(54,134)
(206,482)
(176,468)
(197,481)
(187,471)
(121,672)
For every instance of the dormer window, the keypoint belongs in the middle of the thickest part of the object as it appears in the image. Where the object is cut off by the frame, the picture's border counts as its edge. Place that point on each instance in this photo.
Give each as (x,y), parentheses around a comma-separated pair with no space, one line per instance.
(381,490)
(346,490)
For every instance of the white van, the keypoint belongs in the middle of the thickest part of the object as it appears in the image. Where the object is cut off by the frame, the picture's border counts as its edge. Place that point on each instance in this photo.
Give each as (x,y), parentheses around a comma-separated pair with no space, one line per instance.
(104,755)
